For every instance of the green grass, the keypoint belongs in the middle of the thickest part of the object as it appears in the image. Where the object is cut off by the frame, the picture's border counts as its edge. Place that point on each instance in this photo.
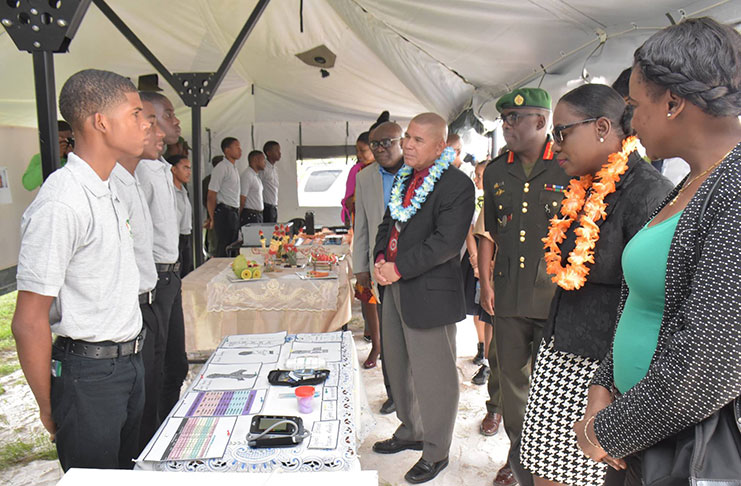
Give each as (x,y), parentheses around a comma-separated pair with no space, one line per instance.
(7,308)
(9,367)
(23,452)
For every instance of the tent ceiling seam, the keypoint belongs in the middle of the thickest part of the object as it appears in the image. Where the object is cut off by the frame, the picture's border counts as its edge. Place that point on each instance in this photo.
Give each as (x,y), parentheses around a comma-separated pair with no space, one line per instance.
(584,14)
(404,38)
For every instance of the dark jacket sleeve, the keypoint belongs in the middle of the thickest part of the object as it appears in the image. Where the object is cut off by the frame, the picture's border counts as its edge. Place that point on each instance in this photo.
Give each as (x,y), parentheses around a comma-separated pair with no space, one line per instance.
(382,237)
(452,222)
(698,370)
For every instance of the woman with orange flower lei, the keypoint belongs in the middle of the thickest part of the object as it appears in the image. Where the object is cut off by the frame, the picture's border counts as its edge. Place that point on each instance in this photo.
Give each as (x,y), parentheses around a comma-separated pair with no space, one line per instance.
(610,198)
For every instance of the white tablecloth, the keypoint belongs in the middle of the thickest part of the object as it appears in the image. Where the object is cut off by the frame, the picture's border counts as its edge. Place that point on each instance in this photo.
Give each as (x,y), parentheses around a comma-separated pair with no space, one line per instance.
(281,290)
(239,456)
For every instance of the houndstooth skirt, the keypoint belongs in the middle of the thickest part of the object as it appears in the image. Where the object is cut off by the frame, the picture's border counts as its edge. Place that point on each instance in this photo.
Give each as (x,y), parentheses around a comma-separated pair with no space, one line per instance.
(557,399)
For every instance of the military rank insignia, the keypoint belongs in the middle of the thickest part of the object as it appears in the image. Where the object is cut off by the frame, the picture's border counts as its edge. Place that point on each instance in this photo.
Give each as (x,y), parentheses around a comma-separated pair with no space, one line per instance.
(519,100)
(498,188)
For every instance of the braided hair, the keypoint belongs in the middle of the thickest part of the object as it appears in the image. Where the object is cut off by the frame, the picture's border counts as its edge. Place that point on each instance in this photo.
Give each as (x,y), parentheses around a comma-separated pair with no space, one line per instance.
(698,60)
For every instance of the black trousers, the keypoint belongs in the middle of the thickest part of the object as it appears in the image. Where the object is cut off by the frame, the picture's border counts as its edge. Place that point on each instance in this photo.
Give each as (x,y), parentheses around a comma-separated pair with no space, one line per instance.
(97,406)
(248,216)
(153,366)
(168,306)
(270,213)
(226,228)
(185,250)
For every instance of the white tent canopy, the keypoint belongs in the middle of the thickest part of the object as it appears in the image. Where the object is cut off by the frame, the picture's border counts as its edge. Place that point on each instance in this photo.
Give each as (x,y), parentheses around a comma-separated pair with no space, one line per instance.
(405,56)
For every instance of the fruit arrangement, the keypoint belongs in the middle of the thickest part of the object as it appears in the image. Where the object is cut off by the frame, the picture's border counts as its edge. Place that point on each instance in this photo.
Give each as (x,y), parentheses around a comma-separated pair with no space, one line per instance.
(246,269)
(282,246)
(322,260)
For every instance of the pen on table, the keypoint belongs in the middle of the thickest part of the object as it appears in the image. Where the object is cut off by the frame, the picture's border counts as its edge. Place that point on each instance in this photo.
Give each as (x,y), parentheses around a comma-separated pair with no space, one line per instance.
(293,395)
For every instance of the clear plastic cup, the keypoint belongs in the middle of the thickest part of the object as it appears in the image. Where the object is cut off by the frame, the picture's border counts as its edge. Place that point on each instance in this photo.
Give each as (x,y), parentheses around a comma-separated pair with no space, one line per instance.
(305,396)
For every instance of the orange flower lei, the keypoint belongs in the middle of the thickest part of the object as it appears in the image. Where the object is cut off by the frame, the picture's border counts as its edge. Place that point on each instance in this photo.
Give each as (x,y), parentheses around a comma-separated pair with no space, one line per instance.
(574,275)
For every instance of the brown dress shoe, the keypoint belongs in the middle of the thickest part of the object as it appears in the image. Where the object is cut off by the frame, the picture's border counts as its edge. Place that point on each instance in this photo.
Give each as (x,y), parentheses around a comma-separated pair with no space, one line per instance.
(490,424)
(505,477)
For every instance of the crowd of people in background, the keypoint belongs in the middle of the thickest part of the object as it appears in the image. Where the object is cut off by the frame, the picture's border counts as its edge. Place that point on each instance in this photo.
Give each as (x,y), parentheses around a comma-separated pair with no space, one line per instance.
(605,287)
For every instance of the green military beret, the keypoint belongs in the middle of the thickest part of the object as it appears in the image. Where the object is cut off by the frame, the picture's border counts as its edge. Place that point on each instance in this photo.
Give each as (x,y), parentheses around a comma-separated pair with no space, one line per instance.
(523,97)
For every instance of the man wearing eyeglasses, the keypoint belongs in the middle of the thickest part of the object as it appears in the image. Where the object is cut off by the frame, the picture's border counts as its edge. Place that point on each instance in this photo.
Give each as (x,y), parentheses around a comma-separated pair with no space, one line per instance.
(33,177)
(523,189)
(372,194)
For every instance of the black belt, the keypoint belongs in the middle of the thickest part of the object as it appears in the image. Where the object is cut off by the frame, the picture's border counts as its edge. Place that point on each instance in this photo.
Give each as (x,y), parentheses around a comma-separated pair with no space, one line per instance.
(104,350)
(226,207)
(256,212)
(146,297)
(167,267)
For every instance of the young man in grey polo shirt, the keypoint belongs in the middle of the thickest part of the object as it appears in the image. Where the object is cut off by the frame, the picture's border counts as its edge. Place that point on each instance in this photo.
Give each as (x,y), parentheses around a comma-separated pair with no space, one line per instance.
(269,178)
(250,199)
(77,277)
(127,186)
(223,197)
(155,178)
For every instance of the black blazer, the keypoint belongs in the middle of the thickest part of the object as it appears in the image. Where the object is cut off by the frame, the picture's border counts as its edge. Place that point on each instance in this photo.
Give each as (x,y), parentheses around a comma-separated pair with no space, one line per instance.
(696,369)
(429,251)
(582,322)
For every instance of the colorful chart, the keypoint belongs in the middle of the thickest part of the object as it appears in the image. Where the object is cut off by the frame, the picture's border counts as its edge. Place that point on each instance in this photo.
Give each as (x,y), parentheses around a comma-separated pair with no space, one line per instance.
(192,439)
(221,403)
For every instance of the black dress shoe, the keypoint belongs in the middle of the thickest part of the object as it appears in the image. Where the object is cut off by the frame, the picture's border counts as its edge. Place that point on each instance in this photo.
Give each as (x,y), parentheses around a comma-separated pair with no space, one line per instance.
(481,376)
(394,445)
(388,407)
(423,471)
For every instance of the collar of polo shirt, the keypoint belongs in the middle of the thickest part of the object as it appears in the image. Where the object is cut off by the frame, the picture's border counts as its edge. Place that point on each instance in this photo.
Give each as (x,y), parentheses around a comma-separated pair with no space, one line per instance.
(86,175)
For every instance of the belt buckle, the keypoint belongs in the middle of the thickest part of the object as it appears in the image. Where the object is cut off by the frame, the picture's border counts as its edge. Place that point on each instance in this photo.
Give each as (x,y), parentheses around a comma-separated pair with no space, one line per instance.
(149,297)
(136,344)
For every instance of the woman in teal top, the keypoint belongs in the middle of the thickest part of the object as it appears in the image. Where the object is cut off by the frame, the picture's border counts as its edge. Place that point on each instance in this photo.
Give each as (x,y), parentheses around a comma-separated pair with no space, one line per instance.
(644,270)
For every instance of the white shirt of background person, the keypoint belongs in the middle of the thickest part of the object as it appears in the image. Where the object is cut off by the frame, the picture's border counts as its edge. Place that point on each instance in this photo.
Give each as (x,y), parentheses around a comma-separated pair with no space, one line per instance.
(252,189)
(140,220)
(225,183)
(155,178)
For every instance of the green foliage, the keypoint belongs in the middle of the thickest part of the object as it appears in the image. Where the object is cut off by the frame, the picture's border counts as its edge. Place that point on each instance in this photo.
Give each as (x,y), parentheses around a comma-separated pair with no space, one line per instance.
(23,452)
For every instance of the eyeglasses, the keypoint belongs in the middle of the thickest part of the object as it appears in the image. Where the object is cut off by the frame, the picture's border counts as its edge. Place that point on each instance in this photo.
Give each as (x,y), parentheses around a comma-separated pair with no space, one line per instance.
(513,118)
(557,133)
(385,143)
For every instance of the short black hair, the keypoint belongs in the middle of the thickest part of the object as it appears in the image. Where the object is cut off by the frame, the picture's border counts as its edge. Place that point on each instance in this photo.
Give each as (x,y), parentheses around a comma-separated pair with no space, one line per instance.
(153,97)
(698,60)
(63,126)
(598,101)
(364,138)
(217,158)
(252,155)
(92,91)
(622,82)
(227,142)
(269,145)
(175,159)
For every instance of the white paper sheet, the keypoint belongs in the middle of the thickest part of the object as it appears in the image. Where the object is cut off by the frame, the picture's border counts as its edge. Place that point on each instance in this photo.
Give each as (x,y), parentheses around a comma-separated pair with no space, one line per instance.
(254,340)
(246,355)
(324,435)
(228,377)
(329,351)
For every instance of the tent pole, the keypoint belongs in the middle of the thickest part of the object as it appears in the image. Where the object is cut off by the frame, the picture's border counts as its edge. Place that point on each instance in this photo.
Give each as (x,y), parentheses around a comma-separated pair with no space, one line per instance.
(197,233)
(46,110)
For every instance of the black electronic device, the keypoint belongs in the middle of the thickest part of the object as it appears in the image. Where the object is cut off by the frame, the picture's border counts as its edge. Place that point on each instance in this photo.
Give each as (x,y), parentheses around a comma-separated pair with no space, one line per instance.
(275,431)
(297,377)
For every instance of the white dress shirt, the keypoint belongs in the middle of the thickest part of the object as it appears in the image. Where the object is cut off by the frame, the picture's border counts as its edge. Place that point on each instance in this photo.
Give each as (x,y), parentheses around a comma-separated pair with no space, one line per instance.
(155,179)
(269,178)
(252,189)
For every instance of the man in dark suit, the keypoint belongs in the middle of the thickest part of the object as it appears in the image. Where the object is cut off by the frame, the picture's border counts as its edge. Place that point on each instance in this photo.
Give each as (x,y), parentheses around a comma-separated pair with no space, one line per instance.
(417,255)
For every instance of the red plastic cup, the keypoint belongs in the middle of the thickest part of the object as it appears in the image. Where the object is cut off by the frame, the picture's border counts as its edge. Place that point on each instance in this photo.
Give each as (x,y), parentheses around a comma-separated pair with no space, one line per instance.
(305,396)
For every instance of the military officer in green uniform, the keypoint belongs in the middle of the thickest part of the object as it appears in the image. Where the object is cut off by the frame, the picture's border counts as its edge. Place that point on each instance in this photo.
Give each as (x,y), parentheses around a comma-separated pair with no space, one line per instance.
(523,189)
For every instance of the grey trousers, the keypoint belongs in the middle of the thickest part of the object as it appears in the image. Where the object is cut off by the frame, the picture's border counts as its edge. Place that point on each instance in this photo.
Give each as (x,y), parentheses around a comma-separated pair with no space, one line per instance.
(423,377)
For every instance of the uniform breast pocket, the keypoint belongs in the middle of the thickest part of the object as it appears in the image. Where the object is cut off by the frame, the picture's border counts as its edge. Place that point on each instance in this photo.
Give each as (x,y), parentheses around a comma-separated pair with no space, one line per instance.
(503,204)
(550,202)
